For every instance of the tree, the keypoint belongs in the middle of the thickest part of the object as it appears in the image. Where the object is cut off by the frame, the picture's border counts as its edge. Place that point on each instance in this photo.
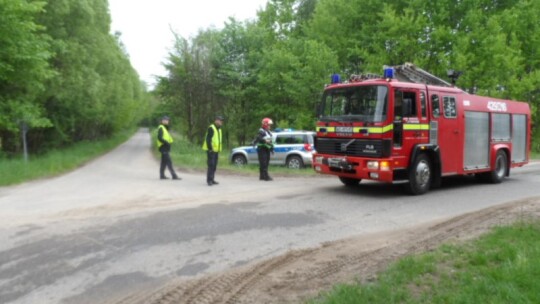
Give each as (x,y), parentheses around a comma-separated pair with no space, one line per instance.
(95,91)
(276,65)
(190,85)
(238,65)
(23,68)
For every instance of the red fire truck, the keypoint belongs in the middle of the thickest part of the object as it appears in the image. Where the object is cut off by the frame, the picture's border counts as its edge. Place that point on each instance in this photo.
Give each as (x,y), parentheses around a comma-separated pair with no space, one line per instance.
(412,127)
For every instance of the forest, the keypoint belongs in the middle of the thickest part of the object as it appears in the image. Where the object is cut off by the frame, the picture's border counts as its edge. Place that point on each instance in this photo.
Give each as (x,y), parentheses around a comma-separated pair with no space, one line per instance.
(277,64)
(65,78)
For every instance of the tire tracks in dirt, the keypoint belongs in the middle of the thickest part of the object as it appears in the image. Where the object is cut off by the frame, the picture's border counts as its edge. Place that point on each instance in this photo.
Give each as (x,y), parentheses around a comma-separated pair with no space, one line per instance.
(301,274)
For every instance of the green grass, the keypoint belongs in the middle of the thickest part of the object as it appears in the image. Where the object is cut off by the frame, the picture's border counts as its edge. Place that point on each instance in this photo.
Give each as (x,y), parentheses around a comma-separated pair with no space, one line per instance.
(56,162)
(185,155)
(500,267)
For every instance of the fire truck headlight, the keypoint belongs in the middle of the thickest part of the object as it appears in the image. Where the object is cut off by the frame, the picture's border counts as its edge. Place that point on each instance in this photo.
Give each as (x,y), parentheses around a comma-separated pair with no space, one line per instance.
(373,165)
(385,166)
(319,159)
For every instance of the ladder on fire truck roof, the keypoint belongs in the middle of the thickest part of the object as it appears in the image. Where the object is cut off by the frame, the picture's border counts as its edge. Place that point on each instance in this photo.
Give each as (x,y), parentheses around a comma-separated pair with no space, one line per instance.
(410,73)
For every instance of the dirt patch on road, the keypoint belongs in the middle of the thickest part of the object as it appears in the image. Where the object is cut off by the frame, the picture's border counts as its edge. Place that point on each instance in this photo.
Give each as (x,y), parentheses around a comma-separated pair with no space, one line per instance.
(302,274)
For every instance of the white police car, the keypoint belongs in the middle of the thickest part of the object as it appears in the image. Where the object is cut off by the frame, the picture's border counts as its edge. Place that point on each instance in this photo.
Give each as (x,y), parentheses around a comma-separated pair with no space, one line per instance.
(293,149)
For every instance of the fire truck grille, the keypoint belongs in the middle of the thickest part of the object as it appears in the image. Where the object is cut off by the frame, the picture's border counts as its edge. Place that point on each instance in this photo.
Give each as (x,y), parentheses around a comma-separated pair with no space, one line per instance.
(353,147)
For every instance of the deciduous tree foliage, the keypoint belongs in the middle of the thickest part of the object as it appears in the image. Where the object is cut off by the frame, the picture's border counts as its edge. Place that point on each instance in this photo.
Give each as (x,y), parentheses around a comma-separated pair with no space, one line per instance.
(258,70)
(64,74)
(95,91)
(277,65)
(24,55)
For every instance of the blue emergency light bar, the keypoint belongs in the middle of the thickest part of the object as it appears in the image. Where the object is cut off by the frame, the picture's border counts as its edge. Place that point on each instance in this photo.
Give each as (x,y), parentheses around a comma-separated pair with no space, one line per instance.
(388,72)
(336,78)
(277,130)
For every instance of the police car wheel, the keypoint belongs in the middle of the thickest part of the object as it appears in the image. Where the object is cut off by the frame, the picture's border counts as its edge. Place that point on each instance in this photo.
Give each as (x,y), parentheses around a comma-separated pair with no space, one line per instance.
(239,160)
(294,162)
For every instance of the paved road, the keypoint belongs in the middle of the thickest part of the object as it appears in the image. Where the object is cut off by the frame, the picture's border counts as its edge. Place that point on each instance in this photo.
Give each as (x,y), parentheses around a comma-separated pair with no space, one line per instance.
(112,227)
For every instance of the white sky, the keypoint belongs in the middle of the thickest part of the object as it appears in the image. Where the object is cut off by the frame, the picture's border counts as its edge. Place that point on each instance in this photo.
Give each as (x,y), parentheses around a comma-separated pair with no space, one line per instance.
(146,26)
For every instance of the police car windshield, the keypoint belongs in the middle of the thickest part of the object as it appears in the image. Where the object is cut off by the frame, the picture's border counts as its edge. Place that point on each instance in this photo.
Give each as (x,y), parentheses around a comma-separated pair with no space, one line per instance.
(355,103)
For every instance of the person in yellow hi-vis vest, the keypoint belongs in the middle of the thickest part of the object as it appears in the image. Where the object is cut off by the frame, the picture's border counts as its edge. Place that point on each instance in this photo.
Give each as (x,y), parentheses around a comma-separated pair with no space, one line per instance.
(213,144)
(164,141)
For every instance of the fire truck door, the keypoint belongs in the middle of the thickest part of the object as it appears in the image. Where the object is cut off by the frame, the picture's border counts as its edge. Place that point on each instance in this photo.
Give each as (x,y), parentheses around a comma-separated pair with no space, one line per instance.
(445,132)
(409,118)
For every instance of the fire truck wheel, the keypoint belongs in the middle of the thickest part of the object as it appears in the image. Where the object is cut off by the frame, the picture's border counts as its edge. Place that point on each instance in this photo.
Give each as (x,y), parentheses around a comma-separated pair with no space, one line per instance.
(501,165)
(349,182)
(420,175)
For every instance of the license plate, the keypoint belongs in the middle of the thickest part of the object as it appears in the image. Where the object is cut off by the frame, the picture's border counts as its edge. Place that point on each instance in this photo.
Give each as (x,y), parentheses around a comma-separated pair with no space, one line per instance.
(335,162)
(344,130)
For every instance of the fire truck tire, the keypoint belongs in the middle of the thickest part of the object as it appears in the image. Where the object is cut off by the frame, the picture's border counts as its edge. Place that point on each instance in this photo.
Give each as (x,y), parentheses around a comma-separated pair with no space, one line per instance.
(420,175)
(350,182)
(295,162)
(501,166)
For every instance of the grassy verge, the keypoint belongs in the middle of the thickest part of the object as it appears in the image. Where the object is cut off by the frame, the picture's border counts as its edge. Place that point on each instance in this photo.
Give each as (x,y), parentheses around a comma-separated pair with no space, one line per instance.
(500,267)
(55,162)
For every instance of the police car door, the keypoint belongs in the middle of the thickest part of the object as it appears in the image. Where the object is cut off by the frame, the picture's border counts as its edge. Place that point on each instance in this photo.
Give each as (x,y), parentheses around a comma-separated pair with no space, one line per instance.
(280,149)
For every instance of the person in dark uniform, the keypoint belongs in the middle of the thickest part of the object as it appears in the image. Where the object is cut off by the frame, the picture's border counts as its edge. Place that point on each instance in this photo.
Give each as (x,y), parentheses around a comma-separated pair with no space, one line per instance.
(213,145)
(265,147)
(164,141)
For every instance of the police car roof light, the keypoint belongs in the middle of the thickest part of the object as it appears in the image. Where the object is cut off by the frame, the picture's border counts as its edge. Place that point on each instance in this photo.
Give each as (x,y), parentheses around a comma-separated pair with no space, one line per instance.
(284,130)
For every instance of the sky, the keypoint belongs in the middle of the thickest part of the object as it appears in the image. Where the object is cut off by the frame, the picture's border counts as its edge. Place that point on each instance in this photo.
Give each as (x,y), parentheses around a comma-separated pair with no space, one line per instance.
(145,26)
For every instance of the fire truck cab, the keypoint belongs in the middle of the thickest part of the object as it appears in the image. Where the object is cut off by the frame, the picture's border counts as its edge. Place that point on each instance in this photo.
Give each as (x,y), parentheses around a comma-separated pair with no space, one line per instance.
(411,127)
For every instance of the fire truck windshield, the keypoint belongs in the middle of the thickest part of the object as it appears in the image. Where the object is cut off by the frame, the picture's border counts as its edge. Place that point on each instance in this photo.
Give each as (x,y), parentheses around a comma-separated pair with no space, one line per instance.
(356,103)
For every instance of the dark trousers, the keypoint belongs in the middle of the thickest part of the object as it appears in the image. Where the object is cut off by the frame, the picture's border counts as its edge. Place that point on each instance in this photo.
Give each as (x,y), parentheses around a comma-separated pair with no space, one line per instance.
(264,161)
(212,159)
(166,162)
